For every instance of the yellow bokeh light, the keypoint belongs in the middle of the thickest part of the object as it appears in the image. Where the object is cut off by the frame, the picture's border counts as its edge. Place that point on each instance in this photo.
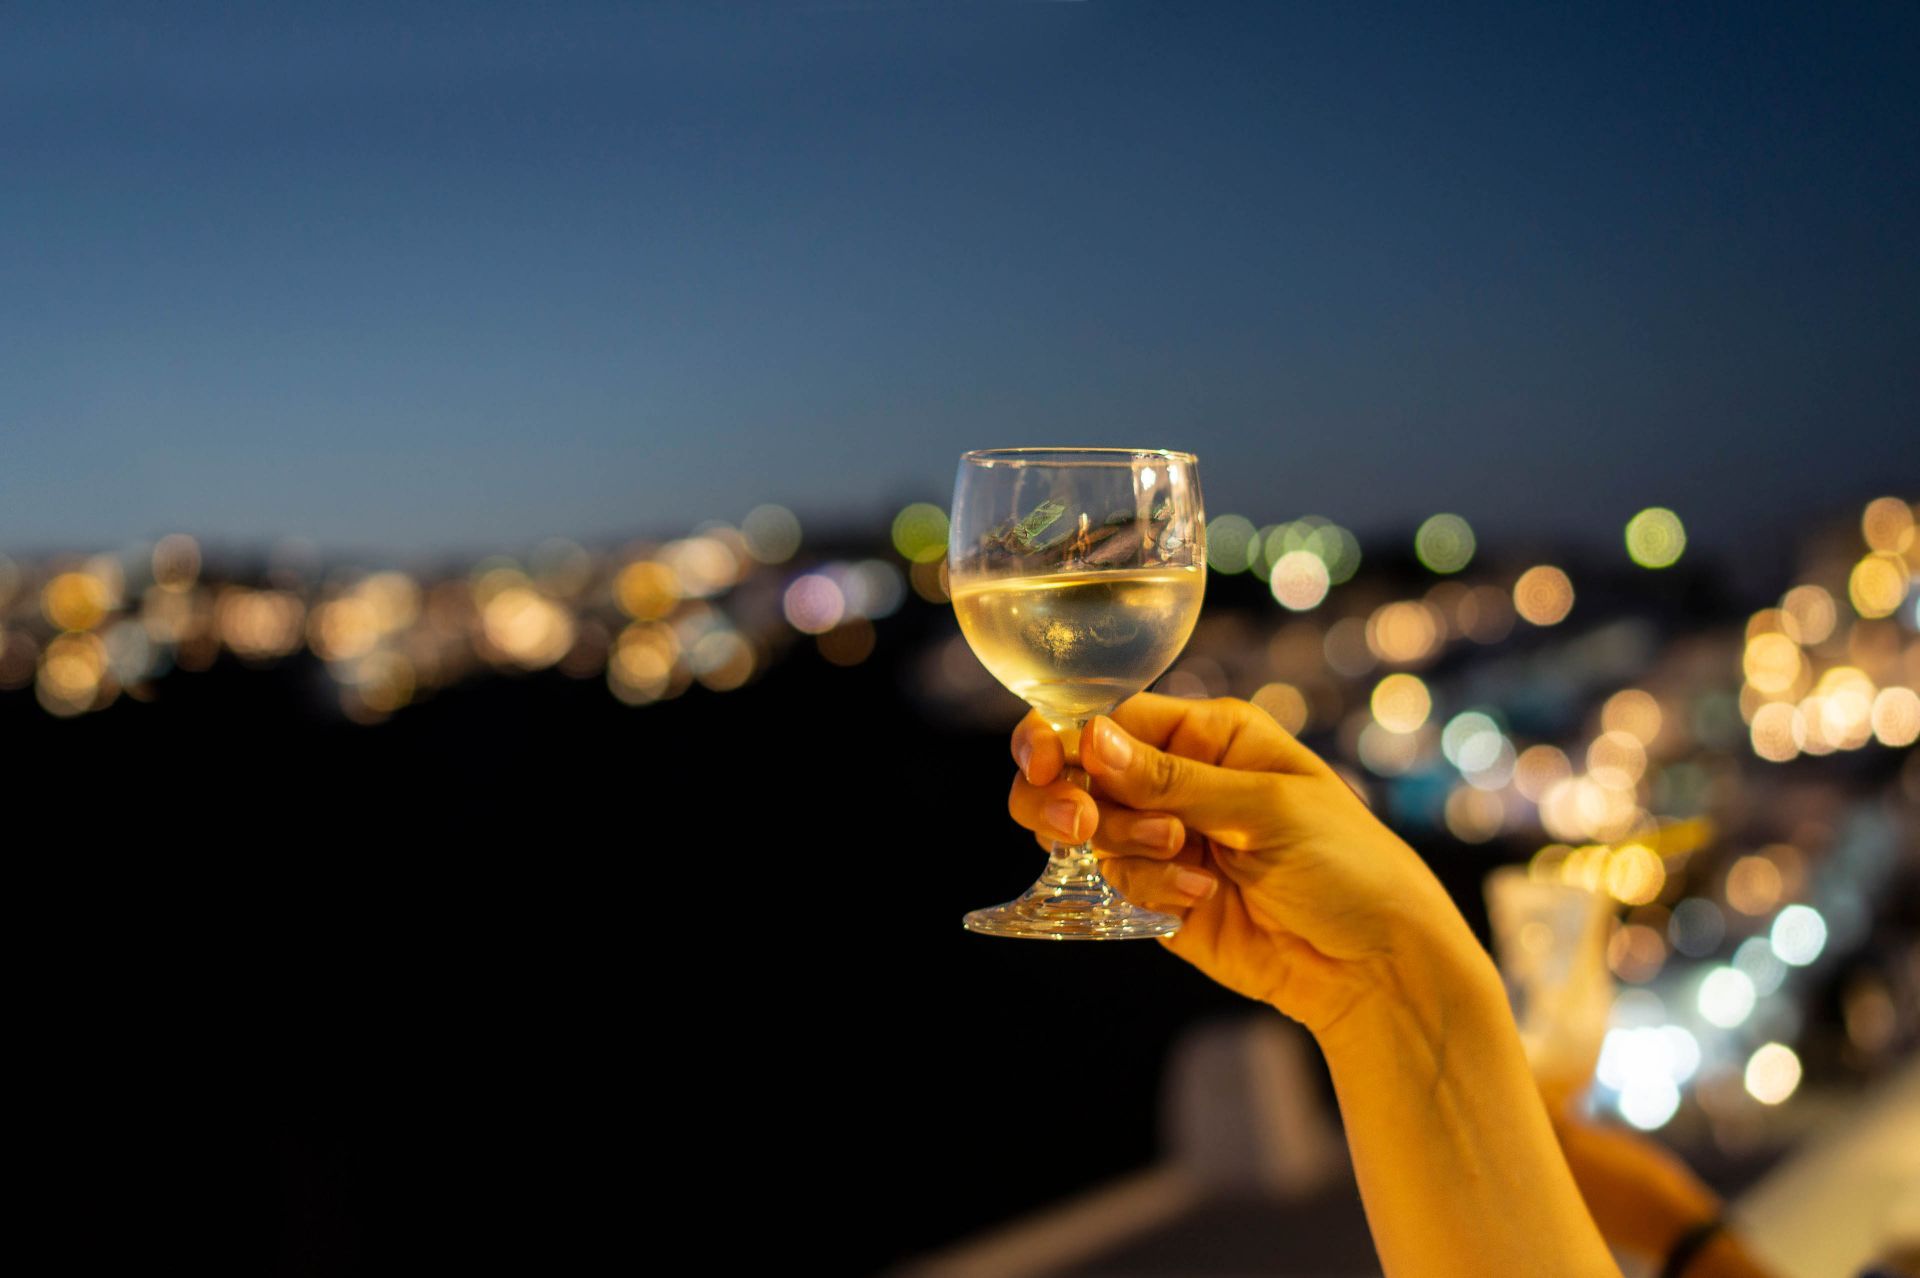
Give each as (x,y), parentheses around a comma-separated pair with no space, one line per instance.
(1877,585)
(1633,875)
(1896,717)
(259,625)
(1633,712)
(1753,885)
(528,629)
(642,666)
(1772,663)
(646,590)
(1401,703)
(1444,543)
(1473,815)
(1777,732)
(75,601)
(1635,953)
(1543,595)
(1299,580)
(1887,524)
(1538,769)
(343,629)
(1285,703)
(722,660)
(1811,612)
(1772,1074)
(1403,633)
(72,671)
(1544,865)
(920,532)
(1656,538)
(1616,760)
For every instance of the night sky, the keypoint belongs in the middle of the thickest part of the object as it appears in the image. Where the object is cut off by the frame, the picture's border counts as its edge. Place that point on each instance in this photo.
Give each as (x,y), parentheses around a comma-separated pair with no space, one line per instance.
(407,278)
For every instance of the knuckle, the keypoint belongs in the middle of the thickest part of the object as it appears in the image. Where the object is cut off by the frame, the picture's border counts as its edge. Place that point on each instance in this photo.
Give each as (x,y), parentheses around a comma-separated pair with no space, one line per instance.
(1163,771)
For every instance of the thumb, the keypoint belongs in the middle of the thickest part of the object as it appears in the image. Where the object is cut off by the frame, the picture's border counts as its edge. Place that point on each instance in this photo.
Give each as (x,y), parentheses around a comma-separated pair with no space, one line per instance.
(1238,809)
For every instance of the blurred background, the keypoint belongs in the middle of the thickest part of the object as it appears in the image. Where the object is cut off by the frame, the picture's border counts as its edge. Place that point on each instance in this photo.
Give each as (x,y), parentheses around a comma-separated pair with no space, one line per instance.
(492,769)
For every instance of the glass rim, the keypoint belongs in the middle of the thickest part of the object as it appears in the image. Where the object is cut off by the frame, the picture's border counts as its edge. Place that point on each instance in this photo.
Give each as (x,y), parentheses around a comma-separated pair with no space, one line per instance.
(1063,456)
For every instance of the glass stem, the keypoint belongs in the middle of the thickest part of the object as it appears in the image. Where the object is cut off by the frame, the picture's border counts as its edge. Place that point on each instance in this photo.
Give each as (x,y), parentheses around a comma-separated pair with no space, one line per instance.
(1072,867)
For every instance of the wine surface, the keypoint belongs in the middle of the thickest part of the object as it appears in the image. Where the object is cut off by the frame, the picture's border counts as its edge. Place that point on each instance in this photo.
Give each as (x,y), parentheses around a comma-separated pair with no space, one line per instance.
(1073,645)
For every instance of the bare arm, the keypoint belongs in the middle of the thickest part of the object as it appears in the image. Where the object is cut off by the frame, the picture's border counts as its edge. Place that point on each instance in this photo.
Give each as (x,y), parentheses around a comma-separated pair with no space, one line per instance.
(1290,891)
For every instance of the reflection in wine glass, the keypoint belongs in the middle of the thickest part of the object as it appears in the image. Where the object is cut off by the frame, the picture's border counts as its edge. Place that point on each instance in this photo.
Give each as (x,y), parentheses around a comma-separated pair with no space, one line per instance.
(1076,576)
(1550,940)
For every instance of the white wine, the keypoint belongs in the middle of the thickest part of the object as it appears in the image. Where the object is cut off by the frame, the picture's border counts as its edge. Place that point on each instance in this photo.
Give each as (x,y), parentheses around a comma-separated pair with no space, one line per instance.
(1073,645)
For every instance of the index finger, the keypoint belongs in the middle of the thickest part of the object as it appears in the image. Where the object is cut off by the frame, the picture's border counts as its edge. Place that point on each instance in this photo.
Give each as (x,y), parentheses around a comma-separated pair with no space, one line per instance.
(1037,749)
(1224,731)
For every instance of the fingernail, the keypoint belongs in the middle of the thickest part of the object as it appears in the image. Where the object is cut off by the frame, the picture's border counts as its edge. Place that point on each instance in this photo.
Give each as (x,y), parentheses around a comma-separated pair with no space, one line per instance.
(1113,747)
(1024,756)
(1156,832)
(1195,884)
(1064,814)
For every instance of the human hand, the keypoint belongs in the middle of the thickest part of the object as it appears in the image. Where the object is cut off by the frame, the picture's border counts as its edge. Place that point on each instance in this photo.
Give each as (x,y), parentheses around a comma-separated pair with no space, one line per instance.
(1289,890)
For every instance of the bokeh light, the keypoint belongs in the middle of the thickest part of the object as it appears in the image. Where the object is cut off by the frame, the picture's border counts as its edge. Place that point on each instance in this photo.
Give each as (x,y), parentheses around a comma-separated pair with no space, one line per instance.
(1285,703)
(1543,596)
(1753,885)
(1444,543)
(772,534)
(1656,538)
(1799,935)
(1896,717)
(920,532)
(1726,997)
(1299,580)
(1401,703)
(1772,1074)
(1887,525)
(1633,712)
(1877,585)
(1229,543)
(1403,633)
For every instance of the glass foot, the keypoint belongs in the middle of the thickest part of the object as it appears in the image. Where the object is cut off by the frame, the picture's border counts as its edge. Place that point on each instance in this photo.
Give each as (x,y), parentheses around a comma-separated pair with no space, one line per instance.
(1081,913)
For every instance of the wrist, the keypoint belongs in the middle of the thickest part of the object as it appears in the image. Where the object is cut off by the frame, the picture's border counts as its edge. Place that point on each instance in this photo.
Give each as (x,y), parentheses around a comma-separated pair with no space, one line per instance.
(1436,986)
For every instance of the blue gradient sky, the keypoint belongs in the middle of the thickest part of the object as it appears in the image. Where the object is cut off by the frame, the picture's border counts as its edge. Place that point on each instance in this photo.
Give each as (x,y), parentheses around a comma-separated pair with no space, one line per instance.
(464,276)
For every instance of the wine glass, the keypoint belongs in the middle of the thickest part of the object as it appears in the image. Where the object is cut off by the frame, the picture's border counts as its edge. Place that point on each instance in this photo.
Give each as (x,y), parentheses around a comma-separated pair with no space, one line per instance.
(1076,574)
(1551,943)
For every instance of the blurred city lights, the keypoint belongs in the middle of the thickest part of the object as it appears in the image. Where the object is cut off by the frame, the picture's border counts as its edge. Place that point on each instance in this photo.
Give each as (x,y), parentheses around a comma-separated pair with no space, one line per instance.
(1656,538)
(1285,703)
(1753,885)
(1403,633)
(1229,543)
(1444,543)
(1401,702)
(1543,596)
(772,534)
(1755,958)
(813,604)
(920,532)
(1772,1074)
(1299,580)
(1696,927)
(1633,712)
(1726,997)
(1887,525)
(1878,584)
(1799,934)
(1810,613)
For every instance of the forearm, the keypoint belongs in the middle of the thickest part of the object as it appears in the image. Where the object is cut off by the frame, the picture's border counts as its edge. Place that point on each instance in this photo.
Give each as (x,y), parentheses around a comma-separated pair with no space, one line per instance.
(1458,1166)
